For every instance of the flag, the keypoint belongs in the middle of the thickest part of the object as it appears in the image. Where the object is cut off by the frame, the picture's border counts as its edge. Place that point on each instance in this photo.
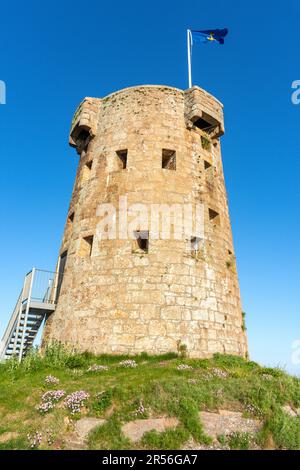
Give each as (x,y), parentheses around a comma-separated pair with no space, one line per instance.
(209,35)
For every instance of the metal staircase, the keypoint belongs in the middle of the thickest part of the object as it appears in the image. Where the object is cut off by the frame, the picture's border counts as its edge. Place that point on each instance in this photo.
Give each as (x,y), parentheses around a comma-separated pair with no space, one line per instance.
(37,300)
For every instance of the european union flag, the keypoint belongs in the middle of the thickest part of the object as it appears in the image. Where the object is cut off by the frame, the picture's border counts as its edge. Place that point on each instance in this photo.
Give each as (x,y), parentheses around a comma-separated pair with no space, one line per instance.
(209,35)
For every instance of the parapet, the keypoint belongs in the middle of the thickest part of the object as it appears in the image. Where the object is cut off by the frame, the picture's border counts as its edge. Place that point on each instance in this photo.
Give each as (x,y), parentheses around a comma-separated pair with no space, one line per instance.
(201,110)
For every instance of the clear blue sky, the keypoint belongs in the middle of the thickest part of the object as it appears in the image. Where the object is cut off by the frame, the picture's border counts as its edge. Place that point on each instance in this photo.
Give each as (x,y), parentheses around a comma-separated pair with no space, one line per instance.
(53,54)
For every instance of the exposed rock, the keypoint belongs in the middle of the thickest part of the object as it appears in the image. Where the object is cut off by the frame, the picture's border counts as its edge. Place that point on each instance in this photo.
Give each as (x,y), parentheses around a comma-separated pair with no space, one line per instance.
(289,411)
(191,444)
(85,425)
(225,422)
(135,430)
(77,440)
(73,443)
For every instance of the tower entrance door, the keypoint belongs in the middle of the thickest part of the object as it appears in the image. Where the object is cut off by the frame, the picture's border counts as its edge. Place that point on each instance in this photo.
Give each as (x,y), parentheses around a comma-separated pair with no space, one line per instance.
(61,269)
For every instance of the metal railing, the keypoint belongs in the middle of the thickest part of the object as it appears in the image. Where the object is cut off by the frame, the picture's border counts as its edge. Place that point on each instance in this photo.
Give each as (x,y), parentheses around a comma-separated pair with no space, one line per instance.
(40,287)
(10,327)
(44,286)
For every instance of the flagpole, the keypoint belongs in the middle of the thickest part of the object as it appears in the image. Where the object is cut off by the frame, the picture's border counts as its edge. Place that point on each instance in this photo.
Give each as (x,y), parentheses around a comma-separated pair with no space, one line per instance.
(189,35)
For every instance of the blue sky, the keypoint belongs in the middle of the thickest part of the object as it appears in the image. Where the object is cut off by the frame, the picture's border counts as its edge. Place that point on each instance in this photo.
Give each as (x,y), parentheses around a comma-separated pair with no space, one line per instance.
(53,54)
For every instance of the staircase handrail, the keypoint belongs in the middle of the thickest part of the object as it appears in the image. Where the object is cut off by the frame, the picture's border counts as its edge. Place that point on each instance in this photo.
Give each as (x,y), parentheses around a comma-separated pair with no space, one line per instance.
(9,329)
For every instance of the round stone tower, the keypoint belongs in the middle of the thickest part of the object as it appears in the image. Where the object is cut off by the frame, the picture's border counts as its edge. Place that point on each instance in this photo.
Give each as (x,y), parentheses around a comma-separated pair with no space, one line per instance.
(123,289)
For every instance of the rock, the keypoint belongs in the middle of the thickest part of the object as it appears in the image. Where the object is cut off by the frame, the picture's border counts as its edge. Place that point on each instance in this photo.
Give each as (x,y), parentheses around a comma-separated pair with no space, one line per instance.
(289,411)
(7,436)
(191,444)
(74,444)
(135,430)
(85,425)
(225,422)
(77,440)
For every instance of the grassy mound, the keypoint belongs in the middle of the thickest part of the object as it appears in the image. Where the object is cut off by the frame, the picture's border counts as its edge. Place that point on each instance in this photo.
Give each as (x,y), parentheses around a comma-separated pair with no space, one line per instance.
(148,387)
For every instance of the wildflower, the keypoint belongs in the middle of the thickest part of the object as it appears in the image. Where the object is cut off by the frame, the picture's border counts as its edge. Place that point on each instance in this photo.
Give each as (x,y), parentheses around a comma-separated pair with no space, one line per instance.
(49,399)
(253,410)
(267,376)
(44,407)
(221,374)
(34,439)
(53,395)
(207,376)
(75,401)
(140,410)
(184,367)
(51,380)
(128,363)
(192,381)
(50,437)
(97,368)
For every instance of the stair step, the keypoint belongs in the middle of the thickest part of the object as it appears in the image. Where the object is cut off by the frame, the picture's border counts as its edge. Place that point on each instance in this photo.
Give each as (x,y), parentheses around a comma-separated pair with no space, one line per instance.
(12,345)
(25,324)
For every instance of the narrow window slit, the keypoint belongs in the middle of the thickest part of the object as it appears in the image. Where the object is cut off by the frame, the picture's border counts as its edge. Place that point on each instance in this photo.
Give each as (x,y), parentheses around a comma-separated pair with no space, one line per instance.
(214,216)
(122,155)
(86,246)
(142,240)
(169,159)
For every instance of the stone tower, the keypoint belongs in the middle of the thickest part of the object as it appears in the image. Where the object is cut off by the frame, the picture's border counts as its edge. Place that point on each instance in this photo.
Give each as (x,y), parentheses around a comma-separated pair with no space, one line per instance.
(154,145)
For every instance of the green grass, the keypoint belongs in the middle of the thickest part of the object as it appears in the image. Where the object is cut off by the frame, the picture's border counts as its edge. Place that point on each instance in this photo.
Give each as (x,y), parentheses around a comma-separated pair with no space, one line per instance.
(239,441)
(15,444)
(157,386)
(168,440)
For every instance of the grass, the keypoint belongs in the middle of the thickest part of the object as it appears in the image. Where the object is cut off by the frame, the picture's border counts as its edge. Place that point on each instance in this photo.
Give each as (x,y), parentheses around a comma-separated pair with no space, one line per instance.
(168,440)
(152,389)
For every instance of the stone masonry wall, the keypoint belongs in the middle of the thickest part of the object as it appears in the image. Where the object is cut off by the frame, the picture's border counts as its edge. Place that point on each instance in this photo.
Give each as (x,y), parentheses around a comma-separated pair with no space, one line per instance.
(118,299)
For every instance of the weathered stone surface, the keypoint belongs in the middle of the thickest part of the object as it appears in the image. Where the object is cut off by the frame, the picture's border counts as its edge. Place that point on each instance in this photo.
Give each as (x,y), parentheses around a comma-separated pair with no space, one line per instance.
(78,439)
(225,422)
(114,297)
(85,425)
(191,444)
(290,411)
(135,430)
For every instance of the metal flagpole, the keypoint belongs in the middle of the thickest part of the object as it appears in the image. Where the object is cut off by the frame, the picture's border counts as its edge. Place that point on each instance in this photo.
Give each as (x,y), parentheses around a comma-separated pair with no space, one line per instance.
(189,38)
